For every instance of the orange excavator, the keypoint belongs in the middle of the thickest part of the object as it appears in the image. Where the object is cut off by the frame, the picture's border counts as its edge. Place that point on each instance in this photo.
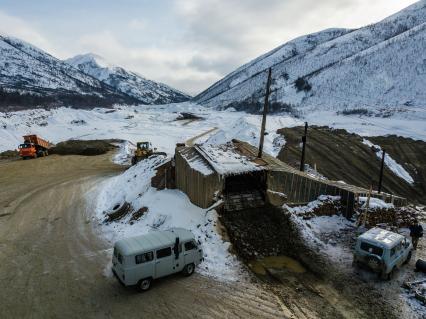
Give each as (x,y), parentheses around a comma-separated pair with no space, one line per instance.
(34,147)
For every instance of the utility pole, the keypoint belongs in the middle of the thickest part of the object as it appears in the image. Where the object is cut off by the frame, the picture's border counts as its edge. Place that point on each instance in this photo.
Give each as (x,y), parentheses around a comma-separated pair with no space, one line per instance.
(302,161)
(265,112)
(381,171)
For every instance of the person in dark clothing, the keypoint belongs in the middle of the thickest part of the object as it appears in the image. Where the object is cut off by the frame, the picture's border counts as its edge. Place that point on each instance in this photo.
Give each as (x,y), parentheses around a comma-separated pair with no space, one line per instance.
(416,231)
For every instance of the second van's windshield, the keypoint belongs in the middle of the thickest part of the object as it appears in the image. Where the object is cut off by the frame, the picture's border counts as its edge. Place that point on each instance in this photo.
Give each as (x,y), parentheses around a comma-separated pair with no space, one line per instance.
(372,249)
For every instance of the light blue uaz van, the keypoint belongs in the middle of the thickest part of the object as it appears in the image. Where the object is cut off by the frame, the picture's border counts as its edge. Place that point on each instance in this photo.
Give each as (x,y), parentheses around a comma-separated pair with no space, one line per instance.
(382,251)
(136,261)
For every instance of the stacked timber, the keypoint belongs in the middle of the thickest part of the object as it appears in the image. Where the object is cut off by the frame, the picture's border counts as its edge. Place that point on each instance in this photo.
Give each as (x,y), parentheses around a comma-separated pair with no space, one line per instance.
(407,216)
(323,206)
(328,207)
(398,217)
(376,216)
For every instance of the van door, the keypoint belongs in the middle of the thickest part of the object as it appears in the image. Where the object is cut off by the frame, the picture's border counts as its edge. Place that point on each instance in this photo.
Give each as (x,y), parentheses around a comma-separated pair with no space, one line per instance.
(178,260)
(190,253)
(164,262)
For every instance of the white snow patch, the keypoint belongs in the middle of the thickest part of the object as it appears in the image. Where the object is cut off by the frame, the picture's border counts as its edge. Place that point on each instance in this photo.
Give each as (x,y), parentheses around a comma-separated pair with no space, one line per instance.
(125,153)
(301,210)
(225,160)
(391,163)
(166,209)
(375,203)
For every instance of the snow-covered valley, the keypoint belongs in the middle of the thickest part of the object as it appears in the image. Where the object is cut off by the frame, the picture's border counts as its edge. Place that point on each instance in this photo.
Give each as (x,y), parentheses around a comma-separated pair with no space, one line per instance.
(159,125)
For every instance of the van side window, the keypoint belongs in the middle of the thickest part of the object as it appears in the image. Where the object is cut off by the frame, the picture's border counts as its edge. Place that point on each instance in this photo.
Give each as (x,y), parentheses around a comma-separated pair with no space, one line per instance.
(161,253)
(144,258)
(190,245)
(120,258)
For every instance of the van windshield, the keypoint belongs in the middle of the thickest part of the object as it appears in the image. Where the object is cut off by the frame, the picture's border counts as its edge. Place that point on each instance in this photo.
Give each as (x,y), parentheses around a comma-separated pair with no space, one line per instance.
(372,249)
(118,255)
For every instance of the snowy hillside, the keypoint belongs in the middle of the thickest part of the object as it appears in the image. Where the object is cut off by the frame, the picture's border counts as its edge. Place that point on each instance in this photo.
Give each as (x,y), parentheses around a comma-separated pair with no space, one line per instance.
(41,79)
(376,70)
(129,83)
(157,124)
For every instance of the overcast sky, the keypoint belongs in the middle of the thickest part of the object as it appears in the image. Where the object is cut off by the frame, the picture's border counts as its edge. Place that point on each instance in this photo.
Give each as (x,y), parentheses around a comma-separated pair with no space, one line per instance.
(188,44)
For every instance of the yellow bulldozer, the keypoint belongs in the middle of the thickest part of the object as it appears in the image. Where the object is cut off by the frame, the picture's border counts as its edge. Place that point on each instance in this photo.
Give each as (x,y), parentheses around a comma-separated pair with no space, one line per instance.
(143,151)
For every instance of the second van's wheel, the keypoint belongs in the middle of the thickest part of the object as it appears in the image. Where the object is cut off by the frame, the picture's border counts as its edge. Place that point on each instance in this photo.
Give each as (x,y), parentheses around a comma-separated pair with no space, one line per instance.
(189,269)
(144,284)
(408,258)
(392,274)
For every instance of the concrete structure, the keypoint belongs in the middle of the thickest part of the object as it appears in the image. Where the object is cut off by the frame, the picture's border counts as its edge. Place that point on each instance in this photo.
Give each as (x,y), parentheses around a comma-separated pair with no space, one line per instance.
(233,172)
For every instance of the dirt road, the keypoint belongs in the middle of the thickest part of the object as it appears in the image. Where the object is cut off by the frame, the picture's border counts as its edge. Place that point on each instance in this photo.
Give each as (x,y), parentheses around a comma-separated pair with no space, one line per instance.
(191,141)
(52,263)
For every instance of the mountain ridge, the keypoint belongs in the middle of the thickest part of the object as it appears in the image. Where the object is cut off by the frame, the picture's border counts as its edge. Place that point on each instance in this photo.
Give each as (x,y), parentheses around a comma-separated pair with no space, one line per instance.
(310,72)
(127,82)
(32,78)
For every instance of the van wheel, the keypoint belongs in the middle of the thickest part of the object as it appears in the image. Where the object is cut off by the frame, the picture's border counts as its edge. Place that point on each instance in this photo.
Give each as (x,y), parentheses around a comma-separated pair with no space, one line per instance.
(408,258)
(189,269)
(144,284)
(391,274)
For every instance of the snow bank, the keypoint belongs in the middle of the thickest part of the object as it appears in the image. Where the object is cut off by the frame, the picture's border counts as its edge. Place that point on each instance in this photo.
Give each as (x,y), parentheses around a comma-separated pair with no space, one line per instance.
(247,128)
(322,233)
(311,206)
(375,203)
(166,208)
(125,153)
(391,163)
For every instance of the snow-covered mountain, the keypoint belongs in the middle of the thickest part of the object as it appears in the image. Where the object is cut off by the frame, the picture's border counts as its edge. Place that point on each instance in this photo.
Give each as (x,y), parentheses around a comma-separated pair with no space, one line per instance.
(31,77)
(127,82)
(379,69)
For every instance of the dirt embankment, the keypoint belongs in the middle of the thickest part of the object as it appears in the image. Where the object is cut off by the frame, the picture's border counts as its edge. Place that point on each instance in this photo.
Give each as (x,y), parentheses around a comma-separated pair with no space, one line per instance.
(82,147)
(340,155)
(409,153)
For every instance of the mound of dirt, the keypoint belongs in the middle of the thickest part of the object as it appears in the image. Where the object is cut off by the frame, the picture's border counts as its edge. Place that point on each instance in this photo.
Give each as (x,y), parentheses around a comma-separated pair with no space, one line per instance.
(340,155)
(267,231)
(80,147)
(188,116)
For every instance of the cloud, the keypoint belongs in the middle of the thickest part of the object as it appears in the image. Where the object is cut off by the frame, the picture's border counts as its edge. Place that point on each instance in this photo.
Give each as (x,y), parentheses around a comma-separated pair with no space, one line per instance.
(137,24)
(191,44)
(224,34)
(13,26)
